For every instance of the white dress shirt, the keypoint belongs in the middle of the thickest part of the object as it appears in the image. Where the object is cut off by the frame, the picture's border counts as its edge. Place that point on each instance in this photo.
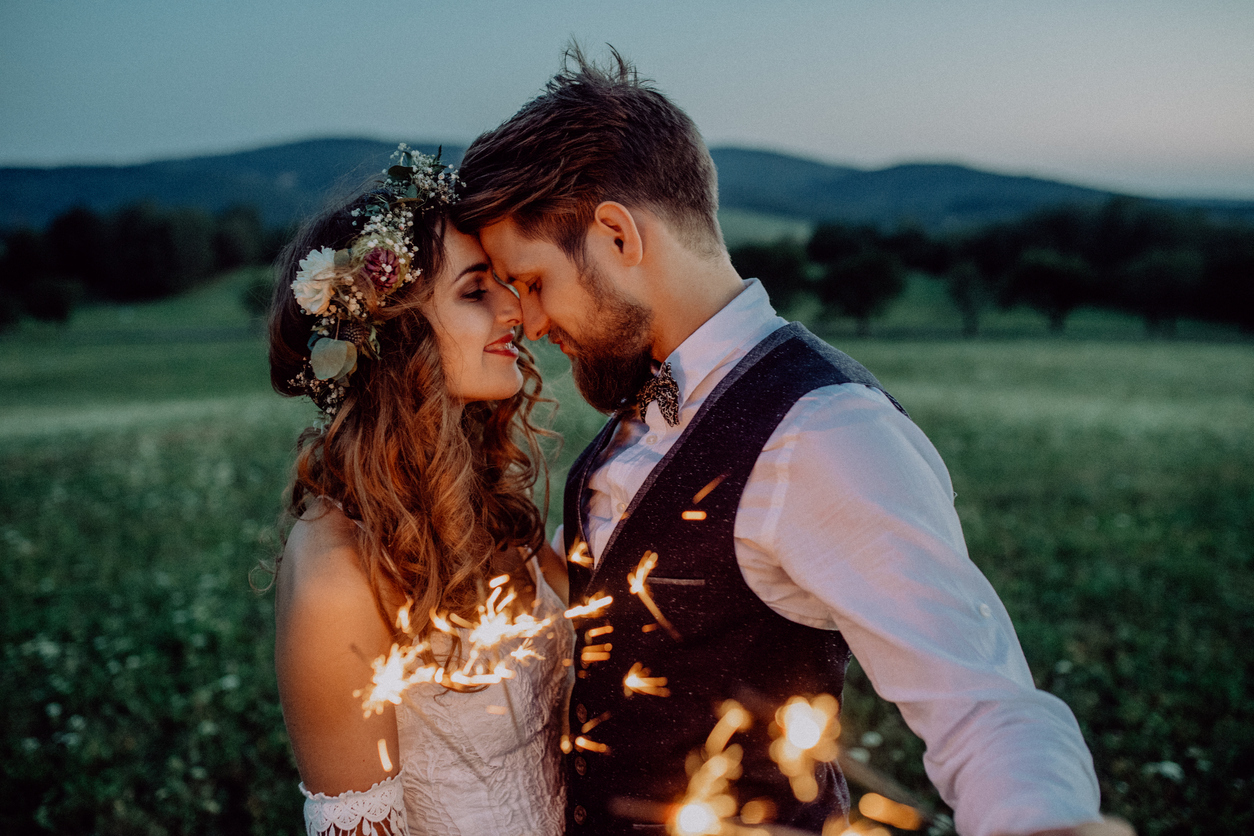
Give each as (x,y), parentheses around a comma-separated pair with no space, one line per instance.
(847,523)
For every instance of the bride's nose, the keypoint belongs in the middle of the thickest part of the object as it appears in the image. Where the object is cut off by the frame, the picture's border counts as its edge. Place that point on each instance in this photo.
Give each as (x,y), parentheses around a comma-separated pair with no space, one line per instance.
(506,306)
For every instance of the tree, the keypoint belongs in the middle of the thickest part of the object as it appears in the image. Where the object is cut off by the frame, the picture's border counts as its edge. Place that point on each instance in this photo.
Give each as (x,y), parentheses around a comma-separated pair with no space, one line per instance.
(239,238)
(781,267)
(831,242)
(1161,285)
(1052,282)
(970,292)
(861,285)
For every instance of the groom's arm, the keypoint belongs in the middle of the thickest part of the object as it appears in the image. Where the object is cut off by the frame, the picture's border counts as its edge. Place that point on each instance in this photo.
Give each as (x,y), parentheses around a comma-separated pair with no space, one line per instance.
(848,523)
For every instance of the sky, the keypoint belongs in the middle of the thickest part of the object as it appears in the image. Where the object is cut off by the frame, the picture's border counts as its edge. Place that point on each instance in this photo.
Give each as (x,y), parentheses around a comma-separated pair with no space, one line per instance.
(1151,97)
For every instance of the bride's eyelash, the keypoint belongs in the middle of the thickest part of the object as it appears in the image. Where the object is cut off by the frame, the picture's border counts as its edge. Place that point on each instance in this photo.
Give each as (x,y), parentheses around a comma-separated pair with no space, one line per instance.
(476,294)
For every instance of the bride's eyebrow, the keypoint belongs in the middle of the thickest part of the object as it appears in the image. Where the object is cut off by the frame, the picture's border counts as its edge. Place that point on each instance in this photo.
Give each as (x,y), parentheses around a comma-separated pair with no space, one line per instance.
(481,267)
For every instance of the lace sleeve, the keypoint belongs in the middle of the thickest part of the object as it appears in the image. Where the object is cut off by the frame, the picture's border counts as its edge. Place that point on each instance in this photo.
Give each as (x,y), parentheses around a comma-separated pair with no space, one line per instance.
(379,811)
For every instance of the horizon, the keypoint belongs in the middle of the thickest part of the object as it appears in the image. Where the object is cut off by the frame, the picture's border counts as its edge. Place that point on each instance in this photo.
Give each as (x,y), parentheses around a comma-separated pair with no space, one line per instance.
(713,148)
(1156,100)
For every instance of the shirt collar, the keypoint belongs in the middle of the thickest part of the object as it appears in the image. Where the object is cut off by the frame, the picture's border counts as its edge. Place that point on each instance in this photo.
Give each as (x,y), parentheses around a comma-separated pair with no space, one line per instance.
(728,335)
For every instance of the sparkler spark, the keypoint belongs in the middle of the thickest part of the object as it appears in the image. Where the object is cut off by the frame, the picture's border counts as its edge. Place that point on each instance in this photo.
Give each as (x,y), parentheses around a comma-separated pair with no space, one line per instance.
(704,492)
(875,806)
(806,732)
(384,760)
(591,608)
(708,804)
(639,681)
(693,515)
(636,585)
(587,745)
(579,555)
(403,668)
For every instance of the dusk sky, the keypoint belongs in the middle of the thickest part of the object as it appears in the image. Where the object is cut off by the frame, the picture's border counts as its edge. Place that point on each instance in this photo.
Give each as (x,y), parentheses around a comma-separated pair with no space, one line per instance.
(1145,96)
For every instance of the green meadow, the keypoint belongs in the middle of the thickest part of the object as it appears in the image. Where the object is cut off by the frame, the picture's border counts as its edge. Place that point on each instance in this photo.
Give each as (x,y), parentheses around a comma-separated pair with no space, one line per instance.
(1105,484)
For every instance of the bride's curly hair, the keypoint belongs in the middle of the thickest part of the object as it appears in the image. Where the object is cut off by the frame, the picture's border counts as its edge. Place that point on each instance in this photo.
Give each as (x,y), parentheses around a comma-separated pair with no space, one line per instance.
(437,489)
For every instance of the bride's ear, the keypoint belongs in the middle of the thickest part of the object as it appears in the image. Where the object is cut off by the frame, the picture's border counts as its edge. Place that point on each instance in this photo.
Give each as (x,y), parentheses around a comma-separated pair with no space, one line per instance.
(615,232)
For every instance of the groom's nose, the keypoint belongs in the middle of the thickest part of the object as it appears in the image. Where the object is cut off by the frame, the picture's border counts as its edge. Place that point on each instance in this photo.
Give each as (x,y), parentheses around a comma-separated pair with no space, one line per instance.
(535,322)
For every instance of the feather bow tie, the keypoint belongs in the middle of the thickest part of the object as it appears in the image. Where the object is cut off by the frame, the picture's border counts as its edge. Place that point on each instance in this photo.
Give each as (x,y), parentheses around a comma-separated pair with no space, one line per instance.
(663,389)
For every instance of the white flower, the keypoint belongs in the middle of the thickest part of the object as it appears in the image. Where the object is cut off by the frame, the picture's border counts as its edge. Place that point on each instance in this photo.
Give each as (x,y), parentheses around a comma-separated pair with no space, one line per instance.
(314,280)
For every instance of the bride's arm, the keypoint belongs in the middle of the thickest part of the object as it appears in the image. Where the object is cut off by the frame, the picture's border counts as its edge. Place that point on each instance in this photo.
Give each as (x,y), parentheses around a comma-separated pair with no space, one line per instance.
(328,630)
(553,565)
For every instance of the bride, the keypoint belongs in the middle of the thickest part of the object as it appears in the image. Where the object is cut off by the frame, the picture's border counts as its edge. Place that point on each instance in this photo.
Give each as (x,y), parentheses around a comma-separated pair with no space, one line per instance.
(410,506)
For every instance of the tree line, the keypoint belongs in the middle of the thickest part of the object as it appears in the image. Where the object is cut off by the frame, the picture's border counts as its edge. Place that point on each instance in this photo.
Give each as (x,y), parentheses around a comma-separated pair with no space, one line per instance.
(1126,254)
(139,252)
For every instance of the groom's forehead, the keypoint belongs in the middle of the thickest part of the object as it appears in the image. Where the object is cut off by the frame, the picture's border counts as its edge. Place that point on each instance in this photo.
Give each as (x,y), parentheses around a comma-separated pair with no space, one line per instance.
(508,247)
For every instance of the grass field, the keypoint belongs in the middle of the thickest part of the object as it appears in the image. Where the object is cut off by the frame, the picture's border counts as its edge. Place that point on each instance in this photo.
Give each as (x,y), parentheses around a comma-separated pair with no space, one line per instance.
(1105,484)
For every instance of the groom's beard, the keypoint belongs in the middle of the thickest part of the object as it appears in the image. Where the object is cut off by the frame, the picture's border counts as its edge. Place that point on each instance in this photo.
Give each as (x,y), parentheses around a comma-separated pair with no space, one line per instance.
(613,359)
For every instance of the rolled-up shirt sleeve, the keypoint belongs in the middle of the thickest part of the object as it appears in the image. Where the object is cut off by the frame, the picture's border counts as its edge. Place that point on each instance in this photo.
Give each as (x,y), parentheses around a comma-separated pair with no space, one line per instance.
(848,523)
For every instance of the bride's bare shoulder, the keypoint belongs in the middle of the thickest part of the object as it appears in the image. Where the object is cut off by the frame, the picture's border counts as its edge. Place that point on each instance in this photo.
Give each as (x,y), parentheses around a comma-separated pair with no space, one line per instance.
(321,553)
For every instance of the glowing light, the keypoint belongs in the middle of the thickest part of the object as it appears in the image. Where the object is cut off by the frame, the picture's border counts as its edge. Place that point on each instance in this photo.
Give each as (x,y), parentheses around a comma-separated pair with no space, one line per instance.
(599,631)
(594,722)
(696,820)
(732,718)
(636,585)
(805,732)
(803,725)
(592,607)
(485,663)
(566,745)
(875,806)
(639,681)
(587,745)
(499,710)
(498,581)
(384,760)
(579,555)
(704,492)
(708,804)
(693,515)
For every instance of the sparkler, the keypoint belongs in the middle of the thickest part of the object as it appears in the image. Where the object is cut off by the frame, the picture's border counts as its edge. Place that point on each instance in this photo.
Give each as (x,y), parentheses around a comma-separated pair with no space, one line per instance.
(638,681)
(806,732)
(708,805)
(636,585)
(579,555)
(589,609)
(485,662)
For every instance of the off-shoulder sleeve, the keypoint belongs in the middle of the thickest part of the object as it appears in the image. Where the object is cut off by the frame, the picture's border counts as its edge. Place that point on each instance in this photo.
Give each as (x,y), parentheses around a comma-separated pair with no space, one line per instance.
(378,811)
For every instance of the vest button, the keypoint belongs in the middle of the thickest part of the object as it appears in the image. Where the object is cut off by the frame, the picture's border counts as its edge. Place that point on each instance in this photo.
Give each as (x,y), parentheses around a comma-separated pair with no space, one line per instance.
(580,814)
(581,766)
(581,713)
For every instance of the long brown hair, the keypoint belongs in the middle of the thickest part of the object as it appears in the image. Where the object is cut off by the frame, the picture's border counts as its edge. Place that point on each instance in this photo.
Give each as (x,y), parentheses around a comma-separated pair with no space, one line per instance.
(437,489)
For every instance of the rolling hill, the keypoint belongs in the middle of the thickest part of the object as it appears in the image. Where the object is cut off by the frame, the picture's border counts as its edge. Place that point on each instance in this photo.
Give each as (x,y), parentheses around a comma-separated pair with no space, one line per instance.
(288,181)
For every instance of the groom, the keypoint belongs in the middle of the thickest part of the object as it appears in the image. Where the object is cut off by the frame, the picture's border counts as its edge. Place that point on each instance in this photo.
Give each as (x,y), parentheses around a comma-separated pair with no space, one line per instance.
(780,506)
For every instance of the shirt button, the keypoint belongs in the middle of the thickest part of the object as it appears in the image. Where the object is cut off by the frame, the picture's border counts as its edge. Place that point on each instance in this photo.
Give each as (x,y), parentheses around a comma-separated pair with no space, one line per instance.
(622,506)
(581,766)
(986,610)
(650,439)
(581,713)
(580,814)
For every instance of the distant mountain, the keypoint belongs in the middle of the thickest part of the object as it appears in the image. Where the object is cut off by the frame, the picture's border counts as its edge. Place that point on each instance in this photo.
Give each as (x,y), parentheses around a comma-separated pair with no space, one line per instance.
(288,181)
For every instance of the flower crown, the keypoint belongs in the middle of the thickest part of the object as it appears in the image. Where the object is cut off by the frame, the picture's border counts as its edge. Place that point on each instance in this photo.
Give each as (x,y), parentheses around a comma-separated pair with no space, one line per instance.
(346,288)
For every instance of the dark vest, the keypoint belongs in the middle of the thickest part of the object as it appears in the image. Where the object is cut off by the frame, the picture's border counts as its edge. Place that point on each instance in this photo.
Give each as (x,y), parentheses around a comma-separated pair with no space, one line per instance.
(723,642)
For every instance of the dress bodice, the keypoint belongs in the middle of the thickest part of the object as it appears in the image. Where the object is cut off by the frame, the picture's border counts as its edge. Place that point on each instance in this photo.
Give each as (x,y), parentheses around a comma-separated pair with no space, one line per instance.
(478,762)
(488,761)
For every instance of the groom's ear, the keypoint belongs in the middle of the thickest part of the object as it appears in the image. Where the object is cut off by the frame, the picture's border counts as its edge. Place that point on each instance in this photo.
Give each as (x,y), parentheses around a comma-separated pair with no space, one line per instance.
(614,228)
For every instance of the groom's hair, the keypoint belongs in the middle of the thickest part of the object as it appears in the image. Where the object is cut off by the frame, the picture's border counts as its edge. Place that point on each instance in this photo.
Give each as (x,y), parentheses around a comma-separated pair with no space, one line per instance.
(595,134)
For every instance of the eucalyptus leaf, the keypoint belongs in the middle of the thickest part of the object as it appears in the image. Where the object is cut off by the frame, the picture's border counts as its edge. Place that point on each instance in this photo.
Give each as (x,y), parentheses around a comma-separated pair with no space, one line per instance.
(401,172)
(343,258)
(333,359)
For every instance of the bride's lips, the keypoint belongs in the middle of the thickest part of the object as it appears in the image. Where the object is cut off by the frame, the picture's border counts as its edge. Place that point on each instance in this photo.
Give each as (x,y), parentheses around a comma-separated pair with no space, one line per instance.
(504,347)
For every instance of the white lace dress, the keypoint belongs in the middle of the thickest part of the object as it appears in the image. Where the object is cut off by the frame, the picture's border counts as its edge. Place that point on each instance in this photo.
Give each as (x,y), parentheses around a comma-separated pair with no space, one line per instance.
(486,762)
